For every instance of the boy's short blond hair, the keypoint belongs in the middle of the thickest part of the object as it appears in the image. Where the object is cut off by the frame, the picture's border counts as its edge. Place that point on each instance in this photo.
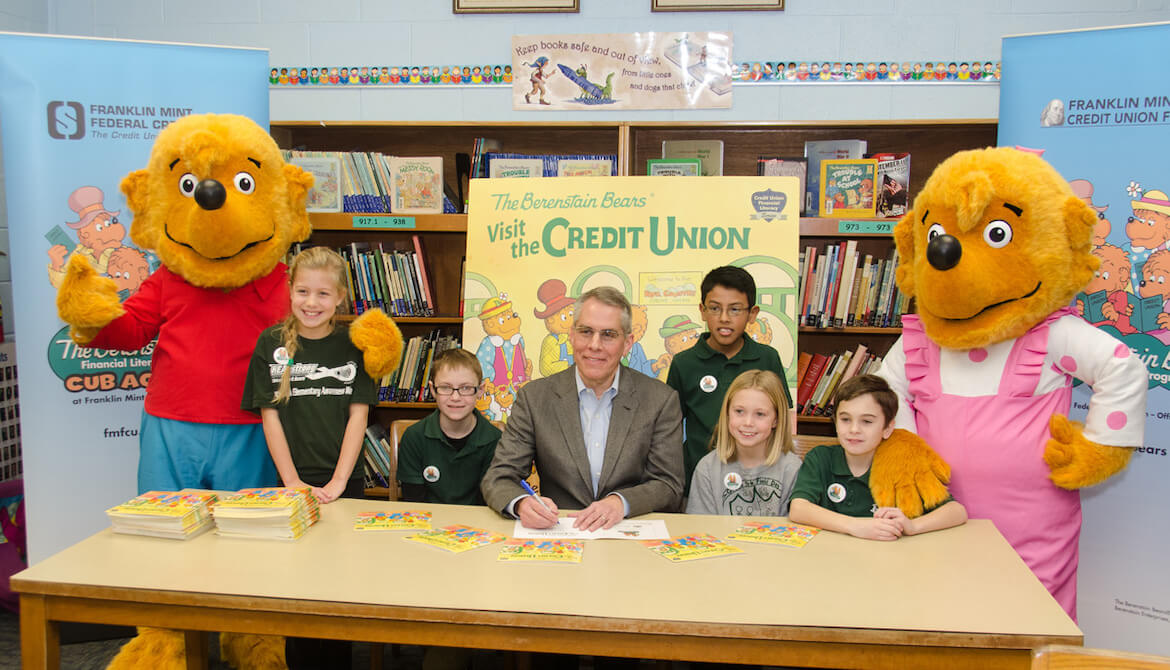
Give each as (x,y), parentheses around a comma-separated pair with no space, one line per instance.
(457,358)
(770,384)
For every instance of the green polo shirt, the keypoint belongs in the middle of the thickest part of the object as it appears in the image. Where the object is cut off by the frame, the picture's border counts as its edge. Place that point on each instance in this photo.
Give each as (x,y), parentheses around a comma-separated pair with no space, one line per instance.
(825,480)
(701,400)
(426,457)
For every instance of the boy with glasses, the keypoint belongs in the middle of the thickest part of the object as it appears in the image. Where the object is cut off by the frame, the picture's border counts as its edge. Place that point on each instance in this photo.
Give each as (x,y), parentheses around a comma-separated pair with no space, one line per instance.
(442,458)
(702,373)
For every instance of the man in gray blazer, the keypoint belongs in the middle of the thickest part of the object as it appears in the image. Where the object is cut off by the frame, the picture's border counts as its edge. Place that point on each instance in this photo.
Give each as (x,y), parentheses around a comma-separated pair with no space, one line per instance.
(605,439)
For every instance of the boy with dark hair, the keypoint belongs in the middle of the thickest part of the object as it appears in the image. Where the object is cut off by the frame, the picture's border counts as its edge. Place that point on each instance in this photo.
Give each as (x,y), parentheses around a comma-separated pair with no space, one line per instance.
(442,458)
(832,487)
(702,373)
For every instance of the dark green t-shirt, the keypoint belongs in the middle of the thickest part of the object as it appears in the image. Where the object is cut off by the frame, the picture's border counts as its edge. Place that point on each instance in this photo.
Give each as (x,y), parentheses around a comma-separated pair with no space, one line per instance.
(701,376)
(451,476)
(327,377)
(825,480)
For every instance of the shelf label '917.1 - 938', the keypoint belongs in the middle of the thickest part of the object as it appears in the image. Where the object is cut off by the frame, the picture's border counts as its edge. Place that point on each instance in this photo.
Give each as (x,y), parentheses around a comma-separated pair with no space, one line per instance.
(866,226)
(383,222)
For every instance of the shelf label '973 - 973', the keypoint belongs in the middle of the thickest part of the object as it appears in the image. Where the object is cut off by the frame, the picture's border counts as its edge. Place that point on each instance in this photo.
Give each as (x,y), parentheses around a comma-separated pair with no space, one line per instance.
(866,226)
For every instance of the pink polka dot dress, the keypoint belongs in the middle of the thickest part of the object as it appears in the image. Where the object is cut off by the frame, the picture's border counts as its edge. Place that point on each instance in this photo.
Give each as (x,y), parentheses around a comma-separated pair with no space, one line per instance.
(987,412)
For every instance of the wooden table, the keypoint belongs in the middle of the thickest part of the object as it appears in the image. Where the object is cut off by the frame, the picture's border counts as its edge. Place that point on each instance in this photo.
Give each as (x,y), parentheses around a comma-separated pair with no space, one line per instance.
(959,598)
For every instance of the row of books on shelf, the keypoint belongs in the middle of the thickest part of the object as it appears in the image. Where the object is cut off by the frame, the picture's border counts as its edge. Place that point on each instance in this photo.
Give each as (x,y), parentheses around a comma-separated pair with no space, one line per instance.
(373,182)
(395,281)
(840,287)
(379,457)
(819,375)
(409,382)
(273,513)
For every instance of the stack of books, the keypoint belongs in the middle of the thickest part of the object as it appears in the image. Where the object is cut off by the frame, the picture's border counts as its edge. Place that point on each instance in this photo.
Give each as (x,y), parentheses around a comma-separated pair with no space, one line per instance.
(819,375)
(269,513)
(178,515)
(409,382)
(841,288)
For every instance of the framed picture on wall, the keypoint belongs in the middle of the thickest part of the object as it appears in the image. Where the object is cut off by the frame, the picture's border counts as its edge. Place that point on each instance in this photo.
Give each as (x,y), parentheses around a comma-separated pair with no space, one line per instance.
(714,5)
(514,6)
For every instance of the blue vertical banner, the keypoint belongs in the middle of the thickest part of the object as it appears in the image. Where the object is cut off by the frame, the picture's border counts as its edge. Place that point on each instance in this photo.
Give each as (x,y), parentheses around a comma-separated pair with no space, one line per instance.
(76,116)
(1104,123)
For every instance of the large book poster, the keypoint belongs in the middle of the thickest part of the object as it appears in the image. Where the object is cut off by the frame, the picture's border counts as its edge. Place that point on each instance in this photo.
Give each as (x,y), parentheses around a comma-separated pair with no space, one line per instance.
(534,245)
(78,115)
(1106,126)
(622,71)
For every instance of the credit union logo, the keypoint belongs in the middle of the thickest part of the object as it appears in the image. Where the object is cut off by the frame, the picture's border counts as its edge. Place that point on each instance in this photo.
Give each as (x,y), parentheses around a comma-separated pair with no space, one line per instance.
(66,120)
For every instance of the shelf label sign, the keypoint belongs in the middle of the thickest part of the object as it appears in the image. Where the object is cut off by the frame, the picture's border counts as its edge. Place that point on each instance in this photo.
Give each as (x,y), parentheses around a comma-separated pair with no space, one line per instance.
(383,222)
(868,226)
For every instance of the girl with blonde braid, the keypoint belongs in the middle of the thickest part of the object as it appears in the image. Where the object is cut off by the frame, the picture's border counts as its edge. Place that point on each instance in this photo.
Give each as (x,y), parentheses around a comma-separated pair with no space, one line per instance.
(307,381)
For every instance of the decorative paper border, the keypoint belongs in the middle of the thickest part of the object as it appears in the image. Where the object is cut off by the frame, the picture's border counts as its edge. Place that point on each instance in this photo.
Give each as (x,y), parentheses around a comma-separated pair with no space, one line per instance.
(745,72)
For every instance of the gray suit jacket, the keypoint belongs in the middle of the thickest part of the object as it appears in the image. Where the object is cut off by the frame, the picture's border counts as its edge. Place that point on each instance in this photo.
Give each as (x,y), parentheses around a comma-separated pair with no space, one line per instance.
(643,450)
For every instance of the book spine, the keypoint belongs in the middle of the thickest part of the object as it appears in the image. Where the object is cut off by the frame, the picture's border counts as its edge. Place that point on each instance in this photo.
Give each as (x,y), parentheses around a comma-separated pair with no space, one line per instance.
(421,260)
(809,379)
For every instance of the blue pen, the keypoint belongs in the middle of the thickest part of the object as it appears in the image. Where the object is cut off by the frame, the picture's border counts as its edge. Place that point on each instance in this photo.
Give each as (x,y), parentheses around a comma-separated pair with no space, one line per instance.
(529,491)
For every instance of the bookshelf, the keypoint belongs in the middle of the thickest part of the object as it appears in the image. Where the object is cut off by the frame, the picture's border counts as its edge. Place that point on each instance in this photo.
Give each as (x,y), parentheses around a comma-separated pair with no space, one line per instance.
(929,142)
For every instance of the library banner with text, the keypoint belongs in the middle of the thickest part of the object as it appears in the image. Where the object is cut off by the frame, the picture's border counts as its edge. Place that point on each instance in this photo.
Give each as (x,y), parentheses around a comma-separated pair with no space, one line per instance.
(534,245)
(1106,126)
(78,115)
(622,71)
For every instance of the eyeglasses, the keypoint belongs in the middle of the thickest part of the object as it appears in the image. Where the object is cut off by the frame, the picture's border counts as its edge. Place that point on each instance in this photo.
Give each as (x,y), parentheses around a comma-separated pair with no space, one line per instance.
(608,335)
(467,390)
(734,311)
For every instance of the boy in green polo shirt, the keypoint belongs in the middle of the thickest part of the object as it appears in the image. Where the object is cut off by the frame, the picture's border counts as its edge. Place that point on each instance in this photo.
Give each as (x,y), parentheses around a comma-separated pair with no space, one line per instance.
(702,373)
(832,486)
(442,458)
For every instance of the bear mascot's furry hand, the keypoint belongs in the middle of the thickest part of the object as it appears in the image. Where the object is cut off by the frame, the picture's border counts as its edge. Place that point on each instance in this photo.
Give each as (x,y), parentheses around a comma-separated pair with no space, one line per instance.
(994,250)
(219,207)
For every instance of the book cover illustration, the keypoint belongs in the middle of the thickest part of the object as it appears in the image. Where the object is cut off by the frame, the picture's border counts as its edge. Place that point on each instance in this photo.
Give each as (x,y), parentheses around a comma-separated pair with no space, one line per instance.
(778,166)
(550,551)
(847,188)
(674,167)
(167,503)
(417,185)
(1092,303)
(710,152)
(501,167)
(893,183)
(691,547)
(457,538)
(584,167)
(325,196)
(820,150)
(789,535)
(409,520)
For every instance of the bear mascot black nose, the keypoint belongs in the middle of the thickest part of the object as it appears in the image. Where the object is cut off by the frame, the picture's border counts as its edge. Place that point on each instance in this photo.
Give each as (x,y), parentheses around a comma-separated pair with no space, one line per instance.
(210,194)
(943,252)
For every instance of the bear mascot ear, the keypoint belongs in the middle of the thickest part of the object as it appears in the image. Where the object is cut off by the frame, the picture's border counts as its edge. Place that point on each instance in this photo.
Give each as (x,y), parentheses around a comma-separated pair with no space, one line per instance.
(299,182)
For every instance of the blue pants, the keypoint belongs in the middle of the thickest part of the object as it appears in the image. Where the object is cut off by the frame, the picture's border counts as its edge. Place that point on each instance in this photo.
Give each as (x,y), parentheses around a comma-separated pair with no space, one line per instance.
(181,454)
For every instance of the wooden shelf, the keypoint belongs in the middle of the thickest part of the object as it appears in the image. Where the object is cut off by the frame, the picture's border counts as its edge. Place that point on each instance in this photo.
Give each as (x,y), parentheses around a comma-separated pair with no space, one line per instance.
(423,320)
(814,419)
(378,493)
(851,330)
(407,405)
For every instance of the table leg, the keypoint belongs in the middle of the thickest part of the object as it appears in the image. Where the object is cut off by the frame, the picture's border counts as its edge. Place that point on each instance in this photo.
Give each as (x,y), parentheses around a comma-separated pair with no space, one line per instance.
(195,642)
(40,642)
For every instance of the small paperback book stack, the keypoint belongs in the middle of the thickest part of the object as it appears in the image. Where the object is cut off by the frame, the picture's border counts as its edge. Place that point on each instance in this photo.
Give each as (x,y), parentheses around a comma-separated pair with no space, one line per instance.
(179,515)
(273,513)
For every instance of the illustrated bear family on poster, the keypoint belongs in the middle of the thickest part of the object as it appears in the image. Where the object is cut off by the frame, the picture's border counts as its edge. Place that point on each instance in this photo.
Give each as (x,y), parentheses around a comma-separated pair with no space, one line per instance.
(534,245)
